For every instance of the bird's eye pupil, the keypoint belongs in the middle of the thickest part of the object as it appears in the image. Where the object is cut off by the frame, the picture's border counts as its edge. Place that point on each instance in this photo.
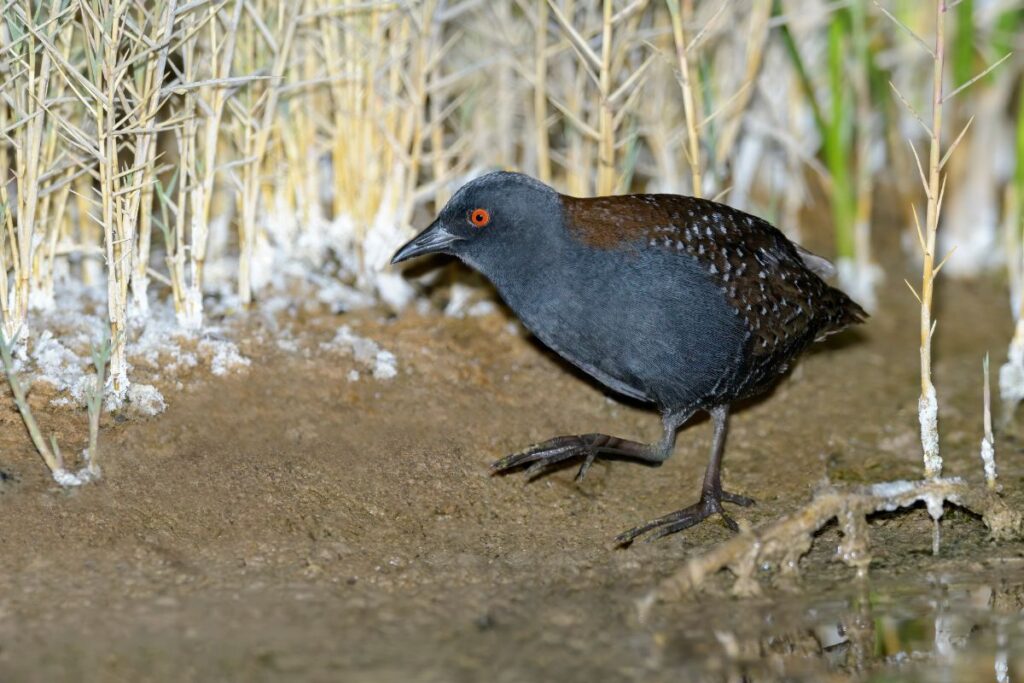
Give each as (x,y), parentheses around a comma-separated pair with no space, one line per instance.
(479,217)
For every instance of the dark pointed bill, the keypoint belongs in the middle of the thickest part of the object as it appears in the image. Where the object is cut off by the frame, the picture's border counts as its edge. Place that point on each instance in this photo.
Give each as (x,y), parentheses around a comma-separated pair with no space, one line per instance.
(433,240)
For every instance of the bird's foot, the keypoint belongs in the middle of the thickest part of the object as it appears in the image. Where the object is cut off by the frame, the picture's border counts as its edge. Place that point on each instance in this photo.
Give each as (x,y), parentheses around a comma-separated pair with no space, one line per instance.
(545,456)
(709,504)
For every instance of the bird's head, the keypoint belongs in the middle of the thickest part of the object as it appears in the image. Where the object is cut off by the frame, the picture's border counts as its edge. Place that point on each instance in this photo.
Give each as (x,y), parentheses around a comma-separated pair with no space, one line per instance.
(488,219)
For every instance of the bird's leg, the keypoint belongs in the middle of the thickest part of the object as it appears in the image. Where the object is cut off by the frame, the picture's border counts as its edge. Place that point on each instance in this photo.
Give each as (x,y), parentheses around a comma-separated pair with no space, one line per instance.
(711,495)
(543,456)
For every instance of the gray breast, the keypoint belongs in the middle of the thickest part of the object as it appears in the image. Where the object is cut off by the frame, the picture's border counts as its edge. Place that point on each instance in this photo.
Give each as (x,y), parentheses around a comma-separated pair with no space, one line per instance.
(643,323)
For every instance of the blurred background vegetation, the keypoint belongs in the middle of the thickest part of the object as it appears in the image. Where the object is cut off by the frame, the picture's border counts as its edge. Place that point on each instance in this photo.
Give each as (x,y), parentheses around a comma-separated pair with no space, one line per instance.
(173,149)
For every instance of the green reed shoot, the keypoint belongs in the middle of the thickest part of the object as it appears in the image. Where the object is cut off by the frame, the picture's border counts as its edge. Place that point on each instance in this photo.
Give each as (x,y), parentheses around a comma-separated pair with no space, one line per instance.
(51,457)
(94,403)
(838,137)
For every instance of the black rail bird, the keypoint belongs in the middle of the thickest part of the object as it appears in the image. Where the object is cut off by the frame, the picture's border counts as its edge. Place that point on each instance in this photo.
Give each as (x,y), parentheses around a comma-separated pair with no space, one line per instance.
(681,302)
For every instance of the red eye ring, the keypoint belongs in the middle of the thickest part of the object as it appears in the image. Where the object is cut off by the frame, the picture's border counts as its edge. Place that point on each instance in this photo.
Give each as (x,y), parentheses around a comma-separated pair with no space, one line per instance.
(479,217)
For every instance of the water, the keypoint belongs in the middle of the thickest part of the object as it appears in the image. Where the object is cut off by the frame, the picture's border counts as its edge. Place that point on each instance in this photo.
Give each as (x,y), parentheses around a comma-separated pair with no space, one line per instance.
(942,627)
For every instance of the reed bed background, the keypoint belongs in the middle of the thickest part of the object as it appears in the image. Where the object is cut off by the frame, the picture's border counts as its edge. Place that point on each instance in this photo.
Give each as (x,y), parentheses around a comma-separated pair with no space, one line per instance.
(218,151)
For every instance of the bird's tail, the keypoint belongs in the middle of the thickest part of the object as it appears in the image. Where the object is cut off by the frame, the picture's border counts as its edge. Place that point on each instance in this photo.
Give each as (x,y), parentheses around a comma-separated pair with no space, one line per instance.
(842,312)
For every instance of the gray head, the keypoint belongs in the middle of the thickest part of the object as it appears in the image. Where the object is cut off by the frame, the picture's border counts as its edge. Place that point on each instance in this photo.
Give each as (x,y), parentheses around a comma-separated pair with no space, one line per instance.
(489,218)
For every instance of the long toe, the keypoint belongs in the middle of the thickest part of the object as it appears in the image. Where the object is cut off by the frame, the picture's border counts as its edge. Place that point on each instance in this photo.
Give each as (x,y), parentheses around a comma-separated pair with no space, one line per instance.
(547,453)
(685,523)
(682,519)
(541,458)
(686,517)
(737,499)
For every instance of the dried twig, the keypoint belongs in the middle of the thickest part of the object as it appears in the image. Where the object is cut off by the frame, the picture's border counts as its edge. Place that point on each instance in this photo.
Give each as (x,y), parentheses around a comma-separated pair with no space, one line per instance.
(781,543)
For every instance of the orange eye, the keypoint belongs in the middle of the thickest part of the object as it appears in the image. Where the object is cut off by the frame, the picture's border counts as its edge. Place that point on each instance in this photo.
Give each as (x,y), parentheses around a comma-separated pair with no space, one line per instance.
(479,217)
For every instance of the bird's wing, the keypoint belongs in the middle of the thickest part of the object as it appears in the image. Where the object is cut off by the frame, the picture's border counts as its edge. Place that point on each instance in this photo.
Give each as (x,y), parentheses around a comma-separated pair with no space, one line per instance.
(770,282)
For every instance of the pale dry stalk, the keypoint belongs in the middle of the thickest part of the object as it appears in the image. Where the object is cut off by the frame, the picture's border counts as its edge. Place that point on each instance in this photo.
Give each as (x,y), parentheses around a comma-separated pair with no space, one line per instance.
(185,247)
(540,93)
(104,25)
(928,406)
(693,156)
(210,102)
(606,179)
(122,113)
(257,120)
(756,42)
(6,216)
(413,140)
(30,71)
(934,185)
(592,131)
(988,441)
(150,101)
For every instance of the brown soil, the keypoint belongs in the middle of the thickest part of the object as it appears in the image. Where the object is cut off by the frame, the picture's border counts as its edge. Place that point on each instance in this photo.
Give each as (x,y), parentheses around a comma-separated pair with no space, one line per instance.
(289,524)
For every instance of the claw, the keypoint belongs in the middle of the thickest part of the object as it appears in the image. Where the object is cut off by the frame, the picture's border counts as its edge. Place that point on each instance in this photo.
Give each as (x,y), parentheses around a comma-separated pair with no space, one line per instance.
(585,465)
(729,521)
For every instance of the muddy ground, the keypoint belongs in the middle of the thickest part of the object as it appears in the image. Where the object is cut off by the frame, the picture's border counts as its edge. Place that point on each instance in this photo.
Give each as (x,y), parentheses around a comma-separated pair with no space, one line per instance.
(286,523)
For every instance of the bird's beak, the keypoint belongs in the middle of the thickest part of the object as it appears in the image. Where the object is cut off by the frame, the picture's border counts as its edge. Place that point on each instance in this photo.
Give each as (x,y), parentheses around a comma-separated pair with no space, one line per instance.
(431,241)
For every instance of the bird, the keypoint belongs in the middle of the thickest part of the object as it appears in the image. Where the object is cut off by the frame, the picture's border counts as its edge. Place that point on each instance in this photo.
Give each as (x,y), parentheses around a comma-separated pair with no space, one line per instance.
(683,303)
